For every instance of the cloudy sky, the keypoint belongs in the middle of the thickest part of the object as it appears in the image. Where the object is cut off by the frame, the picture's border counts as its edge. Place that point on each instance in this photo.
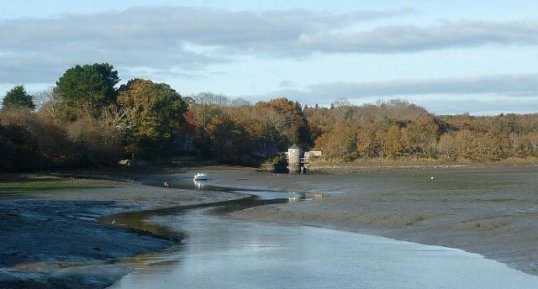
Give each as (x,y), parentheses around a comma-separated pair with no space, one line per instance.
(476,56)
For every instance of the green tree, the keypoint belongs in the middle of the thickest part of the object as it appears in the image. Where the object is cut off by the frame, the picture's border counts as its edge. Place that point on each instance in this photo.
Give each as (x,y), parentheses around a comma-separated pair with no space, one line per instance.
(154,113)
(18,96)
(89,84)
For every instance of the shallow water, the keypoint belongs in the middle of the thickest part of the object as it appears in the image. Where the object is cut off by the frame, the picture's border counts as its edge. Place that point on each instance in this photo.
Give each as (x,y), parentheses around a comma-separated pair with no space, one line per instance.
(221,252)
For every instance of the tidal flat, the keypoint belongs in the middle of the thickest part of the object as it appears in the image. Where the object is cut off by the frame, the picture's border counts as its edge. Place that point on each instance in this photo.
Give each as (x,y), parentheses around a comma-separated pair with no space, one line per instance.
(491,211)
(53,232)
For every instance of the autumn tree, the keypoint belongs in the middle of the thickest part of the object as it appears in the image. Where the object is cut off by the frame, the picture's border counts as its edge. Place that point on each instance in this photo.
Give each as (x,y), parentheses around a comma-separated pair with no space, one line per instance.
(319,121)
(264,136)
(286,117)
(464,143)
(421,136)
(34,138)
(445,147)
(393,144)
(94,142)
(528,145)
(201,116)
(367,144)
(339,143)
(154,113)
(229,141)
(18,97)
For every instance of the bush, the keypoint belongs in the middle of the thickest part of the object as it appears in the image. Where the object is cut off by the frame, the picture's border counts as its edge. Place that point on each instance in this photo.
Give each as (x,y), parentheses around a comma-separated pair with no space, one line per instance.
(94,144)
(18,148)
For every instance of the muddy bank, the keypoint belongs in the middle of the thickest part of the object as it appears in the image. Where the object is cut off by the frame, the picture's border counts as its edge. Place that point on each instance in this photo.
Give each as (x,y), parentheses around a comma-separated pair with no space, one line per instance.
(51,238)
(55,244)
(492,211)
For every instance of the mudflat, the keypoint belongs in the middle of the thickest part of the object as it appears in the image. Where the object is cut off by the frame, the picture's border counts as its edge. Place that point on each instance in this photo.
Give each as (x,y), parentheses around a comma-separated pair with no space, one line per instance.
(492,211)
(51,238)
(53,233)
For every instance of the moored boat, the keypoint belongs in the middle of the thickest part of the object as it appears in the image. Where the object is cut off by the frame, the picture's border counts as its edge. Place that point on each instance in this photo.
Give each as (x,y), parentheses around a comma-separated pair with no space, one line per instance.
(200,177)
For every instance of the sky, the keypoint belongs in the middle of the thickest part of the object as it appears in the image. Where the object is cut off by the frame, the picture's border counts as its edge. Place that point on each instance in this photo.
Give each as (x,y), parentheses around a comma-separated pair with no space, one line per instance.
(451,57)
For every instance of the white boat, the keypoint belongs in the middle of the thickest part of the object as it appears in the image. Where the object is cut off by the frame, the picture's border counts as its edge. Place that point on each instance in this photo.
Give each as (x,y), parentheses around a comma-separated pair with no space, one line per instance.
(200,177)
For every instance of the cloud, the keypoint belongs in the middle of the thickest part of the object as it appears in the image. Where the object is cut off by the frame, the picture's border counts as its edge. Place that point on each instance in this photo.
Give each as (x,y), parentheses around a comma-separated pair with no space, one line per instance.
(480,94)
(163,38)
(510,85)
(410,38)
(182,40)
(493,105)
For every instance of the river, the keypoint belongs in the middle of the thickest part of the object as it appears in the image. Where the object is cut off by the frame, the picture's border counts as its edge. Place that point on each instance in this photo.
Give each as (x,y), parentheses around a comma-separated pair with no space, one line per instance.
(222,252)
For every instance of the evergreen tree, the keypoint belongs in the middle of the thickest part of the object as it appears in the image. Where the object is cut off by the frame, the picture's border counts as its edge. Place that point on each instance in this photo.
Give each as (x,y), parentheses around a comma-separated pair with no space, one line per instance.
(18,97)
(89,84)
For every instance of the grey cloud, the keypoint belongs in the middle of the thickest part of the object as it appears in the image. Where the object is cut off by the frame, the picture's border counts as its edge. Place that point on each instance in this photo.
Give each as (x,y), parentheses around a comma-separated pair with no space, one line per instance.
(155,27)
(162,38)
(402,38)
(492,106)
(519,93)
(510,85)
(184,39)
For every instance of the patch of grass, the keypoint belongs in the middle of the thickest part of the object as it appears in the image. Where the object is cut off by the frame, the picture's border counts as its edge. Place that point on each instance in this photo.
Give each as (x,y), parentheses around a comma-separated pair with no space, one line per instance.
(44,186)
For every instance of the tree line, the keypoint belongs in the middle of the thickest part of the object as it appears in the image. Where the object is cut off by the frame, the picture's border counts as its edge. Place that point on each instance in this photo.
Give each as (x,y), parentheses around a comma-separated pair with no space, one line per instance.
(397,129)
(88,120)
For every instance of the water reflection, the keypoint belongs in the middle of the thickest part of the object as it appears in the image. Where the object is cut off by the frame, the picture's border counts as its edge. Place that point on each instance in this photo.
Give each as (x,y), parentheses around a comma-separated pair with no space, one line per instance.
(200,185)
(299,197)
(138,220)
(221,252)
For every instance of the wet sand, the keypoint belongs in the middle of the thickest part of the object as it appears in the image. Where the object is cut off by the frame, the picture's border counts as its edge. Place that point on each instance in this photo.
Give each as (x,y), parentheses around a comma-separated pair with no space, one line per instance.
(492,211)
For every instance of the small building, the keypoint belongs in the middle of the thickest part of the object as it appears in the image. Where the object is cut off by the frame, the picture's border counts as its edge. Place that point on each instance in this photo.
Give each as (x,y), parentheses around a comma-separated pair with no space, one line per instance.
(311,156)
(294,156)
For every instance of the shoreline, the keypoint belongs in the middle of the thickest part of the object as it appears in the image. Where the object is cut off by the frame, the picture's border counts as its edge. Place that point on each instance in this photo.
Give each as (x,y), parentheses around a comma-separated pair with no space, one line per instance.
(55,233)
(398,203)
(491,211)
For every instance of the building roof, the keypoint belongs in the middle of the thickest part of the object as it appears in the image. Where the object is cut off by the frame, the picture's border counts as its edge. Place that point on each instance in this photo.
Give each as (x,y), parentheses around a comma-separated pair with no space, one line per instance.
(294,147)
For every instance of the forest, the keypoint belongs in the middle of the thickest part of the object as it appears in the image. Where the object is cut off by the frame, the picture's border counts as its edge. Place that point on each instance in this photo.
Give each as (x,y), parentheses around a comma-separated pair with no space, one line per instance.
(88,120)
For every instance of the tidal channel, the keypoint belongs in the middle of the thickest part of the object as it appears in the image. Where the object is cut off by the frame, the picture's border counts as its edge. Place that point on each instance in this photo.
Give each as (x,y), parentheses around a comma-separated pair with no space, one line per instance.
(218,251)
